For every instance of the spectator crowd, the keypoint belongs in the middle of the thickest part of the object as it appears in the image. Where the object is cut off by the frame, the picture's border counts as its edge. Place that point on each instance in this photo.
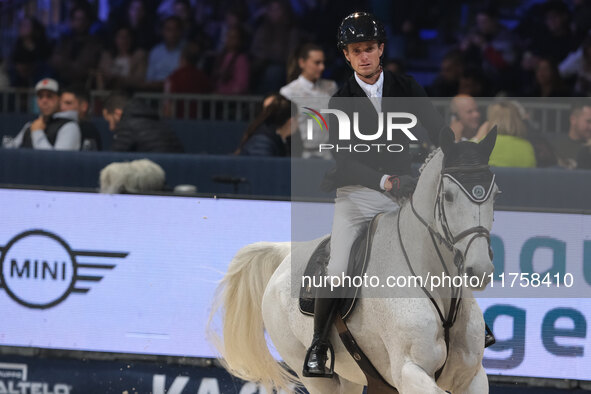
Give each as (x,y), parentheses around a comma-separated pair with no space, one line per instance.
(236,47)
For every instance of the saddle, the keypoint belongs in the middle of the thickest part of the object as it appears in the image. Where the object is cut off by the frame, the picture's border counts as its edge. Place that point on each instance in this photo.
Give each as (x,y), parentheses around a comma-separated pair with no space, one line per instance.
(358,259)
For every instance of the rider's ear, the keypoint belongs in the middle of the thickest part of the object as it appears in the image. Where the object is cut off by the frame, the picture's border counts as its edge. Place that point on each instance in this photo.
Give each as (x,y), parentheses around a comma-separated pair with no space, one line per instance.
(488,143)
(446,140)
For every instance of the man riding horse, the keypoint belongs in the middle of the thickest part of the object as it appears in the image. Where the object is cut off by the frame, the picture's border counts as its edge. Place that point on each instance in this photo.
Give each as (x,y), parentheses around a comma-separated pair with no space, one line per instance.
(365,182)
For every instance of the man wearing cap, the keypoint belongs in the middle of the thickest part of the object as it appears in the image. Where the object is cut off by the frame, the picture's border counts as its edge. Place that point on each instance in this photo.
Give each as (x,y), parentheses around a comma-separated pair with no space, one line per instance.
(52,129)
(365,183)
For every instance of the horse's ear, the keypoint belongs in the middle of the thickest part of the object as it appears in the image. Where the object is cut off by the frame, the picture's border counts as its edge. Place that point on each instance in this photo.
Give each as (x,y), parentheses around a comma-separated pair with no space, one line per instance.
(488,143)
(446,139)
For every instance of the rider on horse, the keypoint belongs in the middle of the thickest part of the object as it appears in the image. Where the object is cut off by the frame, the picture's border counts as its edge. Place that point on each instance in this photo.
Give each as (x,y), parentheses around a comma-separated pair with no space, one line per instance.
(364,181)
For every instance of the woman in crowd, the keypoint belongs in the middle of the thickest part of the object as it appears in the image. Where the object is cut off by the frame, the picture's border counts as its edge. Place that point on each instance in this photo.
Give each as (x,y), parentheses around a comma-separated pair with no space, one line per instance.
(123,65)
(232,68)
(270,133)
(512,148)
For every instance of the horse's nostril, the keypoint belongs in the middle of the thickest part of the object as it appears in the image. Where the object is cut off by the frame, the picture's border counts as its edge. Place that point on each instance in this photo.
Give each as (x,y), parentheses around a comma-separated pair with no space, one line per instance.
(470,271)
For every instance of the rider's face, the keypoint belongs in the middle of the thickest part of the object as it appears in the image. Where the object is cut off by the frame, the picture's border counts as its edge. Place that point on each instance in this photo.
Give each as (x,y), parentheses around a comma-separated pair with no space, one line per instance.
(364,56)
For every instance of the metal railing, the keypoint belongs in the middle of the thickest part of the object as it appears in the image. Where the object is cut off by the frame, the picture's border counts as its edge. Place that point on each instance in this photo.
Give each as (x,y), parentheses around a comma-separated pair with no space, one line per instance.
(549,115)
(172,106)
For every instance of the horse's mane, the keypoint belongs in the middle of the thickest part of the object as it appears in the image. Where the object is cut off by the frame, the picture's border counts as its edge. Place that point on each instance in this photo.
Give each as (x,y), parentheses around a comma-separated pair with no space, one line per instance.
(428,159)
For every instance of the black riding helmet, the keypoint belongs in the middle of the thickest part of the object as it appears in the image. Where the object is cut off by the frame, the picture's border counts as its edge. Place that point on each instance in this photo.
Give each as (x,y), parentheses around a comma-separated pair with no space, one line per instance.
(359,27)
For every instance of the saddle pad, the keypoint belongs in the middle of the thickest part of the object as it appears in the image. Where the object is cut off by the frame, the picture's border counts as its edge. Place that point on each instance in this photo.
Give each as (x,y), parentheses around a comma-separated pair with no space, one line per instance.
(358,260)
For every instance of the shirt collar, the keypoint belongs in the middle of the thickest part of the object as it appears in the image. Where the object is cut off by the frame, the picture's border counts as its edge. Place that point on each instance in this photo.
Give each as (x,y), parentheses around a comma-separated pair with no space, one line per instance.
(374,90)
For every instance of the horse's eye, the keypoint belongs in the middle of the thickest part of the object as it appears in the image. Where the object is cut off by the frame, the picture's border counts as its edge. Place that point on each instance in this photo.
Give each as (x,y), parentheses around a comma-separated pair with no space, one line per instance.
(448,196)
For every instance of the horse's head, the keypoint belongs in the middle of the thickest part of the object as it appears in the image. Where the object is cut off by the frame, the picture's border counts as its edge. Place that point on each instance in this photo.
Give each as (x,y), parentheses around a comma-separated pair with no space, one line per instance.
(464,203)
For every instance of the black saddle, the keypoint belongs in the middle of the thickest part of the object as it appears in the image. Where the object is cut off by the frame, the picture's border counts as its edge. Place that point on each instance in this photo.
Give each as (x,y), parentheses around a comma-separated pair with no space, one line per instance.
(358,259)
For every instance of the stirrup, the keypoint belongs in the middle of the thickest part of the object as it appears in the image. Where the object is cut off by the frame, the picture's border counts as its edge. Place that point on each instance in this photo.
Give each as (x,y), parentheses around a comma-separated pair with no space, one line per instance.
(327,374)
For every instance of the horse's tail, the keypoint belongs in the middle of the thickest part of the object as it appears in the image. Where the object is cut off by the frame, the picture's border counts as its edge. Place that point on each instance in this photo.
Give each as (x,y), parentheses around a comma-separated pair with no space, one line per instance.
(239,297)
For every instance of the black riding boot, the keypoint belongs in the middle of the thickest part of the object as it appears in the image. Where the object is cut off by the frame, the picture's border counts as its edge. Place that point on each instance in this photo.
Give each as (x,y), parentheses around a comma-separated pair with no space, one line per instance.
(315,362)
(489,338)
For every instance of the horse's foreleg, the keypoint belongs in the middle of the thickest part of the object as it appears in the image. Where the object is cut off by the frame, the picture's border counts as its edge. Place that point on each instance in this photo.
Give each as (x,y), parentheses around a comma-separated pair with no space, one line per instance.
(414,379)
(478,385)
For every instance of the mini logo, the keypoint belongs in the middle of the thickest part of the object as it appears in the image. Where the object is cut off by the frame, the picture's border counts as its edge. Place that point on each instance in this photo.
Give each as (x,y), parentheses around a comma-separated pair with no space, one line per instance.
(478,192)
(39,270)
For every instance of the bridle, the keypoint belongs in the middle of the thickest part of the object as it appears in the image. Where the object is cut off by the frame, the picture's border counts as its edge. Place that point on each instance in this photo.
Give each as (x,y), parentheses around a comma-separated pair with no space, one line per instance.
(479,194)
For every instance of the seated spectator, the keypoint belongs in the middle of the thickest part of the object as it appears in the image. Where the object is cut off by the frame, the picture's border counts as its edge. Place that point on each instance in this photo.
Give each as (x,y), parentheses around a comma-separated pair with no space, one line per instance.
(554,40)
(136,127)
(547,80)
(578,65)
(568,145)
(474,82)
(305,73)
(232,67)
(77,54)
(465,117)
(52,129)
(512,149)
(543,149)
(141,24)
(123,65)
(165,57)
(183,10)
(186,79)
(269,134)
(273,41)
(584,157)
(30,54)
(137,176)
(490,46)
(447,82)
(78,100)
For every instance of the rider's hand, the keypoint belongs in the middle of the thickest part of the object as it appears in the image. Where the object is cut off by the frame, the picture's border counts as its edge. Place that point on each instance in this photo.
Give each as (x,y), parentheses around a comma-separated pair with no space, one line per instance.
(401,185)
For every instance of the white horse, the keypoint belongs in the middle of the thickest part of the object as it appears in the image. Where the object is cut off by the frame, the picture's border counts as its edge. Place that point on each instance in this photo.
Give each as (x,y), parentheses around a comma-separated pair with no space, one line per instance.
(402,334)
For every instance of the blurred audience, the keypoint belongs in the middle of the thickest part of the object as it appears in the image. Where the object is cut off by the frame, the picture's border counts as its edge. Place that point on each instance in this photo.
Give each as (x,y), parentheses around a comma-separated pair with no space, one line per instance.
(141,23)
(273,41)
(548,82)
(270,133)
(77,99)
(447,82)
(30,54)
(187,79)
(578,65)
(52,129)
(584,157)
(231,71)
(136,127)
(77,53)
(465,117)
(568,145)
(123,65)
(137,176)
(165,57)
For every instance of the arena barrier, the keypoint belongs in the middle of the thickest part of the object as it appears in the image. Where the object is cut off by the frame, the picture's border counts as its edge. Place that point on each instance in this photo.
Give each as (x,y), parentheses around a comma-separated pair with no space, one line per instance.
(523,188)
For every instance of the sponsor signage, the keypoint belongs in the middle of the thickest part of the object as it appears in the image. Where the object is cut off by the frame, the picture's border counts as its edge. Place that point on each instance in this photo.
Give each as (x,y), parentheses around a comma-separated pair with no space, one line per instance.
(148,267)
